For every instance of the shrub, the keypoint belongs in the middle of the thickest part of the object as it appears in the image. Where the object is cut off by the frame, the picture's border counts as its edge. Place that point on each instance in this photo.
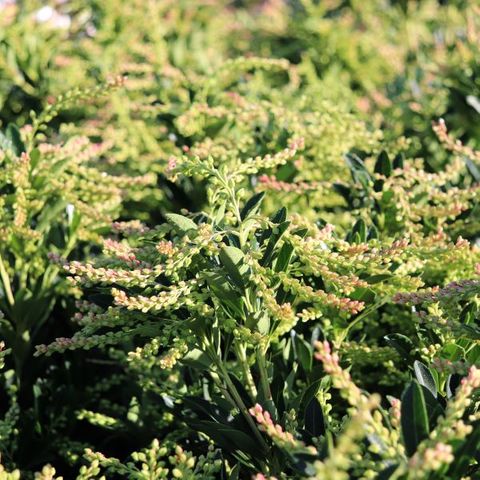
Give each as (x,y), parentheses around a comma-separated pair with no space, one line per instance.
(258,258)
(214,294)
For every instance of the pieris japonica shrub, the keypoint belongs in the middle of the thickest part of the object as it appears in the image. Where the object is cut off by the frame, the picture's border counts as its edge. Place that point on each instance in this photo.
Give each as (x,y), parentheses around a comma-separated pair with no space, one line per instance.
(231,304)
(256,259)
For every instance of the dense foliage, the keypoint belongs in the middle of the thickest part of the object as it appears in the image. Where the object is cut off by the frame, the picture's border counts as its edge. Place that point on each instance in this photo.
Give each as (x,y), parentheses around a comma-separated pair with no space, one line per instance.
(239,239)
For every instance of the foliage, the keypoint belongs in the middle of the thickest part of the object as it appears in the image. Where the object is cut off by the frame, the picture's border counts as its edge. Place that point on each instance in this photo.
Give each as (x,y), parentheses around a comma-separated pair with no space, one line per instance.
(223,224)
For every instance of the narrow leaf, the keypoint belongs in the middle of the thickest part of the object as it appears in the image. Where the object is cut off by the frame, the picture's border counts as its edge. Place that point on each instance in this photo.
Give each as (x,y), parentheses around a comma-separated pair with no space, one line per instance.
(251,205)
(314,421)
(232,259)
(383,165)
(414,417)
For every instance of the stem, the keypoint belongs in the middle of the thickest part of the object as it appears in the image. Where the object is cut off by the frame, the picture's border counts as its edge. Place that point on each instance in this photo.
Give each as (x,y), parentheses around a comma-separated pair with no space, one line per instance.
(240,351)
(238,400)
(218,383)
(6,283)
(231,193)
(243,408)
(262,366)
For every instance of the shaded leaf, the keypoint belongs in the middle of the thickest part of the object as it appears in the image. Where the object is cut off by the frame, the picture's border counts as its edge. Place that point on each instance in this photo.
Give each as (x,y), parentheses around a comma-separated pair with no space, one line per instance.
(13,134)
(232,259)
(314,422)
(251,205)
(383,165)
(414,417)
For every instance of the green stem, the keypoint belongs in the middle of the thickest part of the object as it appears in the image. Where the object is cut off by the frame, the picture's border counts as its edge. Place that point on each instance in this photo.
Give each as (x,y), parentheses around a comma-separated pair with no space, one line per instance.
(240,351)
(238,401)
(262,366)
(218,383)
(242,407)
(6,283)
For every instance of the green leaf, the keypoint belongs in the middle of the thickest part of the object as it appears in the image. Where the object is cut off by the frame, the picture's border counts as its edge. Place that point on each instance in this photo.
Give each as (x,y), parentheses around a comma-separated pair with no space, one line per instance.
(197,359)
(252,205)
(303,352)
(225,292)
(181,223)
(362,294)
(284,257)
(232,259)
(274,238)
(472,169)
(383,165)
(453,382)
(402,344)
(398,161)
(234,472)
(34,157)
(452,352)
(50,214)
(414,417)
(263,324)
(360,228)
(473,356)
(314,422)
(13,134)
(358,170)
(424,377)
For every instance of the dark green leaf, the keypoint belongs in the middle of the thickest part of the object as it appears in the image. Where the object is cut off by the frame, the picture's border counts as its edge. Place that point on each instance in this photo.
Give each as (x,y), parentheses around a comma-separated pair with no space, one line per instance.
(313,421)
(360,228)
(387,473)
(232,259)
(303,352)
(402,344)
(274,238)
(414,417)
(358,170)
(398,161)
(283,258)
(372,233)
(280,216)
(378,278)
(251,205)
(383,165)
(13,134)
(228,438)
